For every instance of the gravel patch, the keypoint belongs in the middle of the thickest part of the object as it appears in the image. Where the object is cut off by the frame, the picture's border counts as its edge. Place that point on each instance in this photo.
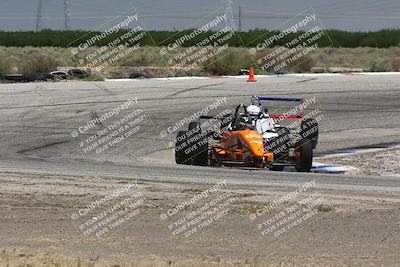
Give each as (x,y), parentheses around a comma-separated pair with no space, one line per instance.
(383,163)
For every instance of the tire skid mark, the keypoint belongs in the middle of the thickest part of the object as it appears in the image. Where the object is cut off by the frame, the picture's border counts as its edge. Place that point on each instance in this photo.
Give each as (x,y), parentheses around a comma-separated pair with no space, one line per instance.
(105,89)
(307,80)
(192,89)
(43,146)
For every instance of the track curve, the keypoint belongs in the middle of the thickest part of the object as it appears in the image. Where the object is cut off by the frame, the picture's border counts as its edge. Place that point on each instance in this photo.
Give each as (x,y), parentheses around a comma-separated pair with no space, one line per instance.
(37,119)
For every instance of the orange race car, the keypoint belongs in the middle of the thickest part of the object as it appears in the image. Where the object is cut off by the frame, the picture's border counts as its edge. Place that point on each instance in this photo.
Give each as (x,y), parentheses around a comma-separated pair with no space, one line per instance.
(251,138)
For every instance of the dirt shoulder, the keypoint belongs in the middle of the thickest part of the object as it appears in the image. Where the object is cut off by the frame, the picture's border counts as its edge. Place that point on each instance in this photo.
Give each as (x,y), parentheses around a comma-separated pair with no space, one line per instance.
(51,220)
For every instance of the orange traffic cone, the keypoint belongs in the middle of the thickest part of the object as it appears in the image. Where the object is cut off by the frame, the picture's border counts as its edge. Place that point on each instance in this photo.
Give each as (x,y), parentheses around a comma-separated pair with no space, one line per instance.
(251,76)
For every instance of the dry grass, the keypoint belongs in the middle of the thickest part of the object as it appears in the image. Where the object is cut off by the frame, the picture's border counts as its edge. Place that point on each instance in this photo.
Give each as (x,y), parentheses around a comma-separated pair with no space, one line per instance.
(362,57)
(32,60)
(14,257)
(5,64)
(38,63)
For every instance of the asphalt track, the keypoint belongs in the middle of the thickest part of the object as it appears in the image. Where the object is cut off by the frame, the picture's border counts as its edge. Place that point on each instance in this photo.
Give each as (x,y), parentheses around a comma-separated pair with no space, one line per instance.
(37,119)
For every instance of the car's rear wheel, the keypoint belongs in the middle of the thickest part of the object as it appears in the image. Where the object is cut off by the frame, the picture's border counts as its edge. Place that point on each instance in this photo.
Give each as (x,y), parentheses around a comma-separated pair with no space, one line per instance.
(199,145)
(181,157)
(305,148)
(310,131)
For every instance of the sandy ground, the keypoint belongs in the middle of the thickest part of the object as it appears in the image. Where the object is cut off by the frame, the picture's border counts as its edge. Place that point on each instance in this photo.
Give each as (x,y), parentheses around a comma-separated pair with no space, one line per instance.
(382,163)
(38,227)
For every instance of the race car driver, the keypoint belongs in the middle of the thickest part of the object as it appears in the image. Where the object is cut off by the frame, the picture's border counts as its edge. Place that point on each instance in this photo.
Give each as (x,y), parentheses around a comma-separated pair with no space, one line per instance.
(261,121)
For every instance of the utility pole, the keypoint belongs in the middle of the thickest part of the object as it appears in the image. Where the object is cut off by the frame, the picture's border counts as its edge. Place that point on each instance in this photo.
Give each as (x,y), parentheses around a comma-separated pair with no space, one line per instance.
(240,18)
(66,15)
(39,17)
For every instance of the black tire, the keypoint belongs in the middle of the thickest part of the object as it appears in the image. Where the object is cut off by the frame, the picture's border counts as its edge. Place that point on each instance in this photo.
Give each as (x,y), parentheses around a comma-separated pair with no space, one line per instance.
(277,168)
(193,130)
(213,161)
(194,125)
(180,145)
(200,153)
(77,73)
(305,148)
(201,158)
(310,131)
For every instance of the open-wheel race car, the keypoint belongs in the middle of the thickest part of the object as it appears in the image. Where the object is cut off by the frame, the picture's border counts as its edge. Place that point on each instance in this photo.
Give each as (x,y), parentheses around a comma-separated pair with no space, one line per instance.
(250,138)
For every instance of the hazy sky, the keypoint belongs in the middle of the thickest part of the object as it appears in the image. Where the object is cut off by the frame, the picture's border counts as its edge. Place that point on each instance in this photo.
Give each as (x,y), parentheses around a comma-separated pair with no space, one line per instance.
(353,15)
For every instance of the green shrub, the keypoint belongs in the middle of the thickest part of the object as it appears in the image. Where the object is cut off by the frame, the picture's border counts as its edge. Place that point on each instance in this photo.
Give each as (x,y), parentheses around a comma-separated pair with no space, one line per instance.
(304,64)
(324,208)
(94,78)
(38,63)
(46,37)
(230,63)
(5,81)
(5,64)
(144,56)
(375,67)
(395,64)
(321,70)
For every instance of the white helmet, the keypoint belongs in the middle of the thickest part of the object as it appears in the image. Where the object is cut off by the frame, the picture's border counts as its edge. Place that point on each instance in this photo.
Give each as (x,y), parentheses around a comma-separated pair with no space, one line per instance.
(253,110)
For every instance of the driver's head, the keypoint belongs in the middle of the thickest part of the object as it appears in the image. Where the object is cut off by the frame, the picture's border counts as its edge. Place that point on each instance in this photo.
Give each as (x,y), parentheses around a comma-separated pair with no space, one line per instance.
(253,111)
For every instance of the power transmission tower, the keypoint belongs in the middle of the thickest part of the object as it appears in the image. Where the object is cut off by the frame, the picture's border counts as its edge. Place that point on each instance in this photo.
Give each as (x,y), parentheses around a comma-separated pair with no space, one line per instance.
(66,15)
(240,18)
(39,17)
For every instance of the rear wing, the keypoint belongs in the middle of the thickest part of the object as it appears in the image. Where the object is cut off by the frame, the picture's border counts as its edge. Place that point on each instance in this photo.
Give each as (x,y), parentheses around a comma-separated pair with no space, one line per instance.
(284,99)
(207,117)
